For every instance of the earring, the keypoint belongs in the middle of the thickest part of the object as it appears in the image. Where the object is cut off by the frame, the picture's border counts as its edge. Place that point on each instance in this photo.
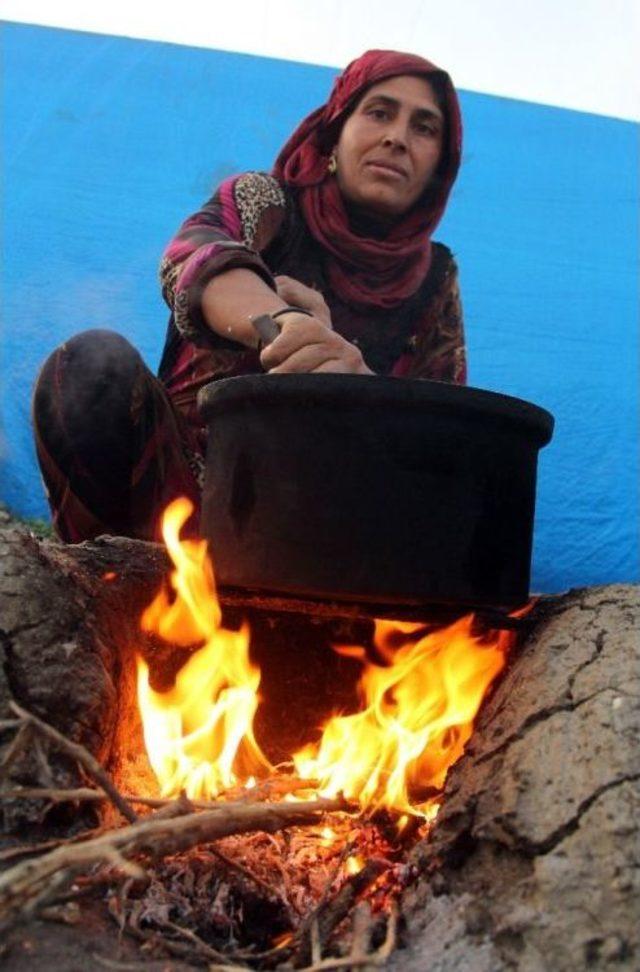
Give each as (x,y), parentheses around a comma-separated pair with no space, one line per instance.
(332,164)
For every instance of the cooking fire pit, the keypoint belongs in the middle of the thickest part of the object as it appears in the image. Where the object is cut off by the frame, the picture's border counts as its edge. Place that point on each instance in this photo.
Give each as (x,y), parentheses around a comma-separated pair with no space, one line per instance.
(351,488)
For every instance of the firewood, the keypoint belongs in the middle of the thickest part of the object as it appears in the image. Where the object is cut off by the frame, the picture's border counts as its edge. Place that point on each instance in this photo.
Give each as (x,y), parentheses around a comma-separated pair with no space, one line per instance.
(378,958)
(331,913)
(53,794)
(361,931)
(199,945)
(28,885)
(541,808)
(241,869)
(82,755)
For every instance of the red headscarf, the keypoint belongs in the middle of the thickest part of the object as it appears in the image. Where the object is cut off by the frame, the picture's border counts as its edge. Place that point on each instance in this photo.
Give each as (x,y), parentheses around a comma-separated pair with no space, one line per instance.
(365,271)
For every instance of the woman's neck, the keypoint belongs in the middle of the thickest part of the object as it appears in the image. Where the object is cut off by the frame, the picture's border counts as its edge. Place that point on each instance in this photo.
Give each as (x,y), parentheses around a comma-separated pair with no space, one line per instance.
(366,224)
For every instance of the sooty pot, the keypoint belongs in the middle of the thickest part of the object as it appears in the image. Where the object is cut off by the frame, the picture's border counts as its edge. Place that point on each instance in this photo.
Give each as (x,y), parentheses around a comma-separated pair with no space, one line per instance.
(371,489)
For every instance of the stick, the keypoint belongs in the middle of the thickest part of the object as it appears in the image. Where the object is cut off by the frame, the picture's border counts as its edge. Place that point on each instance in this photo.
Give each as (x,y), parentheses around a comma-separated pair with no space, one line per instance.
(331,913)
(273,787)
(86,794)
(175,808)
(9,724)
(83,756)
(82,794)
(200,945)
(170,945)
(345,962)
(389,942)
(316,946)
(254,878)
(15,748)
(28,850)
(152,838)
(361,930)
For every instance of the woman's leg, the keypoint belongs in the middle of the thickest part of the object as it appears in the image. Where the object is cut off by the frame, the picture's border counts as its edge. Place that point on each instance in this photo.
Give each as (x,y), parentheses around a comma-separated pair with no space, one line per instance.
(109,442)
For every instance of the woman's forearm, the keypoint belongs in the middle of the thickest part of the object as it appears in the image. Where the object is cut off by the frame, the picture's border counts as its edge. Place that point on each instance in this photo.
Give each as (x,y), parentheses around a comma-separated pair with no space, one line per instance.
(232,298)
(307,342)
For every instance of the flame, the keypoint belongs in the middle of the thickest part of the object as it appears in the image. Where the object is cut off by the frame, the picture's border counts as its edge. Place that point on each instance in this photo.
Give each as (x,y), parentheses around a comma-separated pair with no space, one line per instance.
(199,734)
(417,714)
(417,704)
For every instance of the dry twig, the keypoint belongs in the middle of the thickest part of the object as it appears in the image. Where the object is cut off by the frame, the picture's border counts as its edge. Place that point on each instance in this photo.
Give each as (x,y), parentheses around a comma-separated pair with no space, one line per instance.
(83,756)
(170,945)
(329,914)
(15,748)
(31,883)
(361,930)
(53,795)
(9,724)
(85,794)
(28,850)
(254,878)
(201,946)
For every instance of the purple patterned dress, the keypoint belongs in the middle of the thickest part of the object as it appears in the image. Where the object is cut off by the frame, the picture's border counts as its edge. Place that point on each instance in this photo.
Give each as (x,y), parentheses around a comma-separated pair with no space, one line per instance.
(116,444)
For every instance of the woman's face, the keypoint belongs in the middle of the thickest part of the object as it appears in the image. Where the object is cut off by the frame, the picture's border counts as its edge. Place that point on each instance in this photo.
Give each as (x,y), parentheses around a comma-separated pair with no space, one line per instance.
(390,146)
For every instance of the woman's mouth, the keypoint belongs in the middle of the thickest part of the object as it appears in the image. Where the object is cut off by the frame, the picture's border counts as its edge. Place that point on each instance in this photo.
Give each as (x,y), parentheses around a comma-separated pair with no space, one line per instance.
(387,169)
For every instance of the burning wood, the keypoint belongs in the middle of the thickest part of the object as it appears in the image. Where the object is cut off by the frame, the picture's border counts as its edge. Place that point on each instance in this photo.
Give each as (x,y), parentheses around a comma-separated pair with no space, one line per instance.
(418,700)
(192,877)
(534,811)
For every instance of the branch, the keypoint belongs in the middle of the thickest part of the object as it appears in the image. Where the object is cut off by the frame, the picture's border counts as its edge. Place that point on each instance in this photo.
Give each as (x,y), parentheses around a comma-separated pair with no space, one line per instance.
(83,756)
(29,884)
(84,794)
(329,914)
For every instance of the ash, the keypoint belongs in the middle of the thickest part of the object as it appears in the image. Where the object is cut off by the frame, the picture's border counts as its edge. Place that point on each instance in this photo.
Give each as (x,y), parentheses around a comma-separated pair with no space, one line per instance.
(273,900)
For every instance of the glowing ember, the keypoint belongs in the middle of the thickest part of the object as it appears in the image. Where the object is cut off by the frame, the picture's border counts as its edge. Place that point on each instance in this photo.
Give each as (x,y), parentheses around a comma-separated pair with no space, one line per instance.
(354,864)
(417,713)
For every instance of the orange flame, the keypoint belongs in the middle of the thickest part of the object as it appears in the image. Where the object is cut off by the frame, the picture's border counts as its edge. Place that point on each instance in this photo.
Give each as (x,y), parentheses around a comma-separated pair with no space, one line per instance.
(417,715)
(417,707)
(199,734)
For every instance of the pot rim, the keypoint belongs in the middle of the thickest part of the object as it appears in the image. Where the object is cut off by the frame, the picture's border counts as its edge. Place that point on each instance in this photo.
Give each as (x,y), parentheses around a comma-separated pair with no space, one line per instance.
(337,390)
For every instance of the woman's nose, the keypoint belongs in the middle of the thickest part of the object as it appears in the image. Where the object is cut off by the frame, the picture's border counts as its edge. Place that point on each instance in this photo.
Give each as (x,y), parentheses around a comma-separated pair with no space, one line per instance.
(394,136)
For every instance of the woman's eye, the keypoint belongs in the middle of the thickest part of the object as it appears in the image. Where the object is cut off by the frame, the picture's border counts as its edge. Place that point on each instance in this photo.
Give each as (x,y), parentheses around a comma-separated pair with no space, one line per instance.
(380,113)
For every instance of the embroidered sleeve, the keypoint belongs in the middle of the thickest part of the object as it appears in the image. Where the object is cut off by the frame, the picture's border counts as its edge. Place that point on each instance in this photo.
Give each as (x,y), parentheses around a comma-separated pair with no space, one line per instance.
(439,352)
(228,232)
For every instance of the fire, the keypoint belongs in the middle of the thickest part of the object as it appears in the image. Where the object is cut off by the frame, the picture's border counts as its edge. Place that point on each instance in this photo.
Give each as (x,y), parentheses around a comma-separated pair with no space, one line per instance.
(199,734)
(417,714)
(417,704)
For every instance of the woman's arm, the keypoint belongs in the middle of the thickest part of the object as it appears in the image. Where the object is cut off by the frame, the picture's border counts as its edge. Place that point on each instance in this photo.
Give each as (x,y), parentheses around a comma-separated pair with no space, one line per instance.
(219,242)
(306,343)
(232,298)
(214,280)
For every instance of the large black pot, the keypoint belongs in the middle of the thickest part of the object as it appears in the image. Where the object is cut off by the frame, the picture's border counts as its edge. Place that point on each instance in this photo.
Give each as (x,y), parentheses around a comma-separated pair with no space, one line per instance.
(371,489)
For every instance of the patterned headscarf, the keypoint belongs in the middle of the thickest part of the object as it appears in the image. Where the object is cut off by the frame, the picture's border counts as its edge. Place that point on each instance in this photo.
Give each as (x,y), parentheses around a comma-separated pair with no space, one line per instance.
(365,271)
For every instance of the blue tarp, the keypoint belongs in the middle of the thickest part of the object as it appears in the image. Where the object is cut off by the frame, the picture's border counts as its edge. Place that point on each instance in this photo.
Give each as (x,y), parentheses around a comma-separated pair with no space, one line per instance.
(110,143)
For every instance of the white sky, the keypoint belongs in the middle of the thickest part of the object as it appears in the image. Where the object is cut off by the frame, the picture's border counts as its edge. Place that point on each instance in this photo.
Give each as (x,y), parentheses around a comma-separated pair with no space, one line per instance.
(581,54)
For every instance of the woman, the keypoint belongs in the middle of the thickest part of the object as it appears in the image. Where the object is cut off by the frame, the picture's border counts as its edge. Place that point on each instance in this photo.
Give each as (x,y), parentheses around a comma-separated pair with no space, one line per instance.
(334,245)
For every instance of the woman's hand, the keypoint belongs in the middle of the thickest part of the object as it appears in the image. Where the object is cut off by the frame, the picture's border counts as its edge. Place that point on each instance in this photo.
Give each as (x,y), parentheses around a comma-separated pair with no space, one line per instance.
(298,294)
(307,345)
